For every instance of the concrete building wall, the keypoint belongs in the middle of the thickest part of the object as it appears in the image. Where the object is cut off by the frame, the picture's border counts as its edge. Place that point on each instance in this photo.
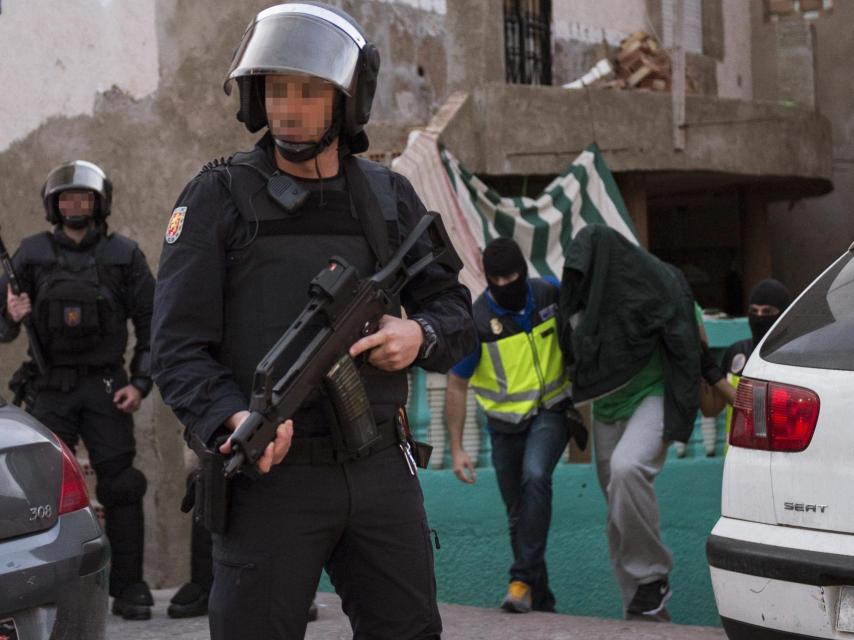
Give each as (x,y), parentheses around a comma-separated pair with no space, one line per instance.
(592,22)
(717,39)
(583,32)
(58,56)
(808,234)
(734,70)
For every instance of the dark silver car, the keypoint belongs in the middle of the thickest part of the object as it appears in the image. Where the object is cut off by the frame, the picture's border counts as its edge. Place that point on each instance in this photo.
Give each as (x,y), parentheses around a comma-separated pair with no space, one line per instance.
(54,557)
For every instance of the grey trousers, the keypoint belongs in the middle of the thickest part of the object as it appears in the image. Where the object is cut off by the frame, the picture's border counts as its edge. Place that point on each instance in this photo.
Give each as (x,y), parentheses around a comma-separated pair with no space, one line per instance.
(629,455)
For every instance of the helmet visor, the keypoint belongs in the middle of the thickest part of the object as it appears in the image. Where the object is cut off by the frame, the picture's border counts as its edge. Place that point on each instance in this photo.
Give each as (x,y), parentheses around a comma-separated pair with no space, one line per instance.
(299,39)
(76,175)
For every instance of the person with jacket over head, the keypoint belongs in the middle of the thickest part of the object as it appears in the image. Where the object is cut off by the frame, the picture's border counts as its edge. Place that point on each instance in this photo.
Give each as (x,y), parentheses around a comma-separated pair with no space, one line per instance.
(631,338)
(240,250)
(82,284)
(519,380)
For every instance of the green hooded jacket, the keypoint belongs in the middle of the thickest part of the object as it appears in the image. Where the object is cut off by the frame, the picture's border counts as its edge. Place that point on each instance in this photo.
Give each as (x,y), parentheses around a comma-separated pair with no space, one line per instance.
(618,305)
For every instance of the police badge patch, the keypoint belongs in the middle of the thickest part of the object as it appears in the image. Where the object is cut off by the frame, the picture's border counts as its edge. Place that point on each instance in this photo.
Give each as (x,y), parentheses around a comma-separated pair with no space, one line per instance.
(548,312)
(738,362)
(72,316)
(176,225)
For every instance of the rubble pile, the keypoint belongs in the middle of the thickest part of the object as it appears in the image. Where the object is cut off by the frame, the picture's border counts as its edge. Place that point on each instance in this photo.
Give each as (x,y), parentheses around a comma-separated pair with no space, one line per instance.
(642,64)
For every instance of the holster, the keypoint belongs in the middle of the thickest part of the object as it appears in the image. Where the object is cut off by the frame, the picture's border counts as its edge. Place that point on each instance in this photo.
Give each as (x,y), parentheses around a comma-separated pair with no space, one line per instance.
(208,489)
(22,384)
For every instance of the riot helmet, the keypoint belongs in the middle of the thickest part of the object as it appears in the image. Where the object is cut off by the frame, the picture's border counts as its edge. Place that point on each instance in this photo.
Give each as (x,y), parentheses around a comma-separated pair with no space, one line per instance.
(311,39)
(78,174)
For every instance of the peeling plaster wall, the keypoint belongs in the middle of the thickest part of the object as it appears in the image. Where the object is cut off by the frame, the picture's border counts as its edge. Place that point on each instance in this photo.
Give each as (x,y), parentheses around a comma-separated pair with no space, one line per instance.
(138,91)
(57,57)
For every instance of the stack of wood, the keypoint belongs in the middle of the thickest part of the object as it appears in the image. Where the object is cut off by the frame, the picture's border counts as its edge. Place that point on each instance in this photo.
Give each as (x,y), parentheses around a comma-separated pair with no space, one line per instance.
(642,64)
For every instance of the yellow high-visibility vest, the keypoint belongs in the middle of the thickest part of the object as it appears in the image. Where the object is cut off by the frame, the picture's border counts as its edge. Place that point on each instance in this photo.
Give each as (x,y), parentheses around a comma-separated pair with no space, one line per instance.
(518,375)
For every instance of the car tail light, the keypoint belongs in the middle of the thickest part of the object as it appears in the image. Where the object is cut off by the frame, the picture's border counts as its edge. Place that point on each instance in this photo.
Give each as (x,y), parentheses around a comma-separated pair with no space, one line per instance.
(74,495)
(772,416)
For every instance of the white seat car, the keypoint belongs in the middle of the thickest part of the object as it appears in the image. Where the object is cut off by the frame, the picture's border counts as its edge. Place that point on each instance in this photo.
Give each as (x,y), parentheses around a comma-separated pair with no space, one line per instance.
(782,554)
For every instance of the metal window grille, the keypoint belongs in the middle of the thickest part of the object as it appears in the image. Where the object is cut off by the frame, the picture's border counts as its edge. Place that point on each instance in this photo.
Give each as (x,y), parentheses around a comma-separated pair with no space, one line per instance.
(527,41)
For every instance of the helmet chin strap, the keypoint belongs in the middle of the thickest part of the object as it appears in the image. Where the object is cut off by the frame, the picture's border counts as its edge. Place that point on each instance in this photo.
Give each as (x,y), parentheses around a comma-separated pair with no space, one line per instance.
(76,222)
(302,151)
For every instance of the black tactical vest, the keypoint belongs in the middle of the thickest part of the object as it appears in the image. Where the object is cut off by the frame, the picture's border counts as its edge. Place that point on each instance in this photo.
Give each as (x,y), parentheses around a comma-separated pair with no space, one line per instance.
(79,307)
(267,276)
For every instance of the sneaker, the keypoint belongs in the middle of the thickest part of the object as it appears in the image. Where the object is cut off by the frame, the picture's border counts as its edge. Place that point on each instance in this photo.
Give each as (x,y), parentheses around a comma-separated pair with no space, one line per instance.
(312,612)
(518,598)
(134,603)
(650,598)
(189,601)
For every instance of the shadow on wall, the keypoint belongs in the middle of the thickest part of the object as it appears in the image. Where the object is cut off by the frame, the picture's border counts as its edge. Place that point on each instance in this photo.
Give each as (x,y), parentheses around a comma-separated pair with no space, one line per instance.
(474,558)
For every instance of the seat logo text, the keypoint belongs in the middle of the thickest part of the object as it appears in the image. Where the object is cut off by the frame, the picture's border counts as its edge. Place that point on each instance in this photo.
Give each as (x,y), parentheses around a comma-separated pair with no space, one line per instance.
(806,508)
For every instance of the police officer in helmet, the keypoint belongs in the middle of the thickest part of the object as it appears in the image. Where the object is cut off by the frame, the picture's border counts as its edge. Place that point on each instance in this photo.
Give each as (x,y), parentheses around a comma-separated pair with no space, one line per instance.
(245,238)
(81,284)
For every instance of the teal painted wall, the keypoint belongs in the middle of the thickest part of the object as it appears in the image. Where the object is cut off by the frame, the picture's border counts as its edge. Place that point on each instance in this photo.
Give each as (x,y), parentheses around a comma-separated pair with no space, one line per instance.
(472,564)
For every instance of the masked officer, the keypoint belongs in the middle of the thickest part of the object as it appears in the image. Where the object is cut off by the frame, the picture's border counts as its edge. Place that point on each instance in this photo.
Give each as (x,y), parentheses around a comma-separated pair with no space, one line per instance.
(82,284)
(520,381)
(767,301)
(245,239)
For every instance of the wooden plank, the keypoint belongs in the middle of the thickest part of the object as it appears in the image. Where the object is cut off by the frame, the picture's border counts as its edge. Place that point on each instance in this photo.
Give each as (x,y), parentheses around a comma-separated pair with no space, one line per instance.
(638,75)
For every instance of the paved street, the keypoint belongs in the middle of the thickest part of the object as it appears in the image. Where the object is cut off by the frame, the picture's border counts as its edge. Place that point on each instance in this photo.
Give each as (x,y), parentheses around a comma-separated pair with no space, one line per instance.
(461,623)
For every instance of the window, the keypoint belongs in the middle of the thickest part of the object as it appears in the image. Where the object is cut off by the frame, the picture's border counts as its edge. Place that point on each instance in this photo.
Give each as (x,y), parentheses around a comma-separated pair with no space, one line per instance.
(527,41)
(818,331)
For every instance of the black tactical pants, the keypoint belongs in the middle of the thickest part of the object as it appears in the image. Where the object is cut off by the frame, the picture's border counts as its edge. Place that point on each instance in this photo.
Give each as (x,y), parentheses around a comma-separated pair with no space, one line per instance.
(362,520)
(87,411)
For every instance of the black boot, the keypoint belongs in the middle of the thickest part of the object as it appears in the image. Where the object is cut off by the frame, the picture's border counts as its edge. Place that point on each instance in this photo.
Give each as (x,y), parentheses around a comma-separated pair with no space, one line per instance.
(190,601)
(134,602)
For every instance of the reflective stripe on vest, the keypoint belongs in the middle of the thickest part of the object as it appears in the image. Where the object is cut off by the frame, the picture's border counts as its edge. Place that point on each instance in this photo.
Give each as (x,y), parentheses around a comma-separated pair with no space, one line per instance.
(521,373)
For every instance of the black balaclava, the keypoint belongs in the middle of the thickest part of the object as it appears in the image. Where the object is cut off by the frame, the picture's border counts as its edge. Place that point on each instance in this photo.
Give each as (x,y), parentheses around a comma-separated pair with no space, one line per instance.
(501,258)
(770,292)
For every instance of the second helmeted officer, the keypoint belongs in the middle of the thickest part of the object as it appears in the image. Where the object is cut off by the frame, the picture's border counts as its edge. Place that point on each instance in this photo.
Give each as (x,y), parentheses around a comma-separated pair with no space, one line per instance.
(82,285)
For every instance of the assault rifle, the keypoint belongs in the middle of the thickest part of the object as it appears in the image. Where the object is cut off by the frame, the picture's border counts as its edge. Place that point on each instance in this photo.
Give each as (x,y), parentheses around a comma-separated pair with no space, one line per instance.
(35,345)
(313,352)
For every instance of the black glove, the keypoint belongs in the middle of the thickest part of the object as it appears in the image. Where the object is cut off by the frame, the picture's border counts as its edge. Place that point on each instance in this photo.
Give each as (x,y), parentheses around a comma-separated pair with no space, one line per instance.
(709,368)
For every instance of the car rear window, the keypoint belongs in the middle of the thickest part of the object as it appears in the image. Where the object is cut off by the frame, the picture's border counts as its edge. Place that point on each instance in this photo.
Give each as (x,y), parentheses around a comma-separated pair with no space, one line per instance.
(818,331)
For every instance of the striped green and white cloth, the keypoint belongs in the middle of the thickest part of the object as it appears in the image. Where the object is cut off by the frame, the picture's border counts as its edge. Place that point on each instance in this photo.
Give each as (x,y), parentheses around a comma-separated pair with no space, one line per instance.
(474,214)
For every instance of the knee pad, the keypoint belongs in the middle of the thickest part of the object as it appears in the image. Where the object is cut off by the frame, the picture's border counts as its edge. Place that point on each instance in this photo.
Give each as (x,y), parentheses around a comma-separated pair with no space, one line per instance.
(125,487)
